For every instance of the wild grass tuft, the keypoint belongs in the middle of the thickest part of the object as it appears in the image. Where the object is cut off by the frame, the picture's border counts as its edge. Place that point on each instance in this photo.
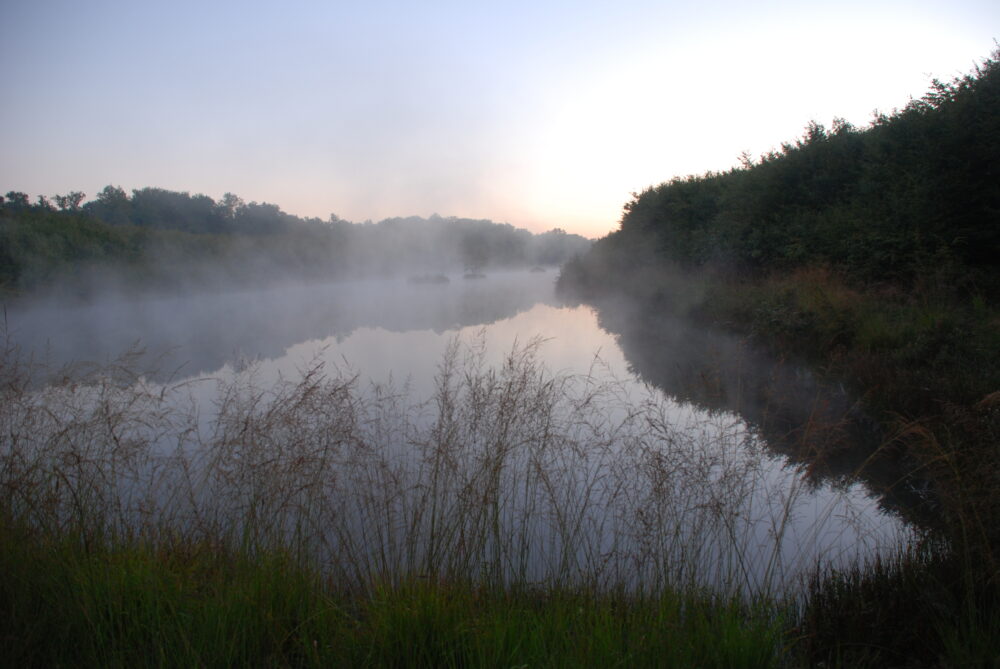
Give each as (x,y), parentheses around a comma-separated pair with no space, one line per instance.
(515,518)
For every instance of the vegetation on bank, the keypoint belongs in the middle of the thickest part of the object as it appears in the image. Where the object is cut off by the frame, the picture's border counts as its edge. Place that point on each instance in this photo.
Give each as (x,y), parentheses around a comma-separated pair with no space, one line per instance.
(873,254)
(290,532)
(503,522)
(162,239)
(198,605)
(912,199)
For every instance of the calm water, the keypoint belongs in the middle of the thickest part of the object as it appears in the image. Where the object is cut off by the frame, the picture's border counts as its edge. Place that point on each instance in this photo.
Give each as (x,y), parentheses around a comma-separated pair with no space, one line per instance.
(391,331)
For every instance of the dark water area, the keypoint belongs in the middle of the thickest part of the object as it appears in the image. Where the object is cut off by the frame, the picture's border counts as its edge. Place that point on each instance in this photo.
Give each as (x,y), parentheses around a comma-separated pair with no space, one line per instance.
(811,420)
(188,335)
(746,458)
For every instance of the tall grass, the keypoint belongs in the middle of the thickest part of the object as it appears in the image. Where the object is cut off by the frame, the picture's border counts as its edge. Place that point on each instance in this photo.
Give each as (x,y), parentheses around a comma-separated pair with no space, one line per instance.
(510,486)
(198,606)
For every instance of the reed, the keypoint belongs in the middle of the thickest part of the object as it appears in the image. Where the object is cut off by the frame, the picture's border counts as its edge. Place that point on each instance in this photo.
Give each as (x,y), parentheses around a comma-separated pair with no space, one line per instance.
(302,521)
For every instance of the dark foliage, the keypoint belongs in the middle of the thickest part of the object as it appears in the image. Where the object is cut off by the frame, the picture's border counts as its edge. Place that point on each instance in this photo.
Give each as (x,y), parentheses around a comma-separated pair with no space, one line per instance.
(917,192)
(160,237)
(872,254)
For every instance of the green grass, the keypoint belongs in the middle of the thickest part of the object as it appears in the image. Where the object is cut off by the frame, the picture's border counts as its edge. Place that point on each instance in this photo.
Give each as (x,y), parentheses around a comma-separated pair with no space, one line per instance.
(915,349)
(309,524)
(134,605)
(925,363)
(922,607)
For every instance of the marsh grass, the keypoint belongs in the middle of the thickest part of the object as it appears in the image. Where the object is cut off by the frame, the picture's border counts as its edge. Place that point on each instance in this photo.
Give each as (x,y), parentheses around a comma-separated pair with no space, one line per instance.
(198,606)
(934,342)
(922,606)
(925,361)
(936,603)
(516,514)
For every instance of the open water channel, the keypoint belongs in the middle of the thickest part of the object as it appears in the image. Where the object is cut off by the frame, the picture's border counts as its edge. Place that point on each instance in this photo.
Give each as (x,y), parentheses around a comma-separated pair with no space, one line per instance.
(650,460)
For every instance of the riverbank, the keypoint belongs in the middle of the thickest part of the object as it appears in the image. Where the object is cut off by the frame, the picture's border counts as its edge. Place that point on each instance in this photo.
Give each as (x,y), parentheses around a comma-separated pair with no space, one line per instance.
(869,254)
(923,362)
(198,604)
(517,518)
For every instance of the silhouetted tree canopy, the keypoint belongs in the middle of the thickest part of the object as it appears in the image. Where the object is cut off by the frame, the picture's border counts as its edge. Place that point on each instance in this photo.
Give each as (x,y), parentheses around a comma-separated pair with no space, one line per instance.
(916,191)
(158,233)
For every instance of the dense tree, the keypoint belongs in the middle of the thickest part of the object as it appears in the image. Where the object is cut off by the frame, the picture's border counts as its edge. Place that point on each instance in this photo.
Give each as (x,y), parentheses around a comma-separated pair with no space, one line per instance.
(112,206)
(229,205)
(17,200)
(262,218)
(165,235)
(917,192)
(69,202)
(164,209)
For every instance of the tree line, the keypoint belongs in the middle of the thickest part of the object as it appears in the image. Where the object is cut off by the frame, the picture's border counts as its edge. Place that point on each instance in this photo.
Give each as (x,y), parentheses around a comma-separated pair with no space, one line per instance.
(915,193)
(158,236)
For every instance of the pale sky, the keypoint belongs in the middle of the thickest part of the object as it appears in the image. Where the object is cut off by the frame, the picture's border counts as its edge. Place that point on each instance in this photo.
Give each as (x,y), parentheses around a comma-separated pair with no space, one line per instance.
(539,114)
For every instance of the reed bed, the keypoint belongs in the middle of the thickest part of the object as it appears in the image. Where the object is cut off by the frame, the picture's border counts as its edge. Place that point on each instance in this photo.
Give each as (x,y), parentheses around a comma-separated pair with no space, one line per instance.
(509,480)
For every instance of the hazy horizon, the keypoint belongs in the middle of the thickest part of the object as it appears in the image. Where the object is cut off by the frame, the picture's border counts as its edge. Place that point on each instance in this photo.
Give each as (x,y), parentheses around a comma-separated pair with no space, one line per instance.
(541,116)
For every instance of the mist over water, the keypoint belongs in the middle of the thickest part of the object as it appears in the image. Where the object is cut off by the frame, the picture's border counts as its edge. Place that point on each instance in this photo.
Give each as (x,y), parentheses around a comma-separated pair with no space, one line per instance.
(395,334)
(192,334)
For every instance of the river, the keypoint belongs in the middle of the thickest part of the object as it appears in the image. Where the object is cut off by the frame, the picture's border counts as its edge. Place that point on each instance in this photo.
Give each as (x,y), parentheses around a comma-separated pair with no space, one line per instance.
(679,467)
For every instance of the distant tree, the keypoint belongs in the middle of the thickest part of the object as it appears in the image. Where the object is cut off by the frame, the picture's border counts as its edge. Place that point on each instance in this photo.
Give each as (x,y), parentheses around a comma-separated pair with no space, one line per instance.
(17,200)
(111,205)
(229,205)
(814,133)
(69,202)
(262,218)
(475,248)
(842,126)
(160,208)
(43,203)
(112,195)
(557,246)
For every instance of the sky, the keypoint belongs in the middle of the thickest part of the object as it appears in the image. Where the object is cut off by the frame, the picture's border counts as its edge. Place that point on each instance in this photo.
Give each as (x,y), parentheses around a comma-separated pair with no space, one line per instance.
(539,114)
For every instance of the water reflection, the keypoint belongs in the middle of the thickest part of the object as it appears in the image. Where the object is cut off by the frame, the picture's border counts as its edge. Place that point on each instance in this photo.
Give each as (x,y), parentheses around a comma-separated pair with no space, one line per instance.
(657,471)
(810,420)
(195,334)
